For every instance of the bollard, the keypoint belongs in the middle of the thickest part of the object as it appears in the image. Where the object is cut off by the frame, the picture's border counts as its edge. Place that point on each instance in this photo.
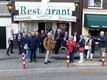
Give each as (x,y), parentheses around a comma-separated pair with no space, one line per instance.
(68,59)
(103,57)
(23,60)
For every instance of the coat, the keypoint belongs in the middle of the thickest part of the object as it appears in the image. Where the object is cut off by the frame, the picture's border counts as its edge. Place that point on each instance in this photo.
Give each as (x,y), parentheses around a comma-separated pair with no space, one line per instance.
(48,44)
(71,45)
(102,42)
(33,42)
(82,43)
(24,41)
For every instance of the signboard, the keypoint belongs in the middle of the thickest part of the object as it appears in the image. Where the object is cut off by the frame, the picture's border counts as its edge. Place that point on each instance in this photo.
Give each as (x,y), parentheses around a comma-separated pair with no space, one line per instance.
(54,11)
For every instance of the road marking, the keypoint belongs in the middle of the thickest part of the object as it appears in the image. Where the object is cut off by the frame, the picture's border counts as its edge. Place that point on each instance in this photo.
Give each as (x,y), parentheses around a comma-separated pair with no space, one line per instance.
(61,68)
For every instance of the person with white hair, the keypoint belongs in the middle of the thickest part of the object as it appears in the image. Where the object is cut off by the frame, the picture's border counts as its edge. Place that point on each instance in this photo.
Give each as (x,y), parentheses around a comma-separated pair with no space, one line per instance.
(49,46)
(102,42)
(71,45)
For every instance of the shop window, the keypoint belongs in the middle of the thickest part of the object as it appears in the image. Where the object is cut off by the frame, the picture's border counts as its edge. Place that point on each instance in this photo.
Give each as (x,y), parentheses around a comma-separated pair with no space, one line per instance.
(95,3)
(63,26)
(48,26)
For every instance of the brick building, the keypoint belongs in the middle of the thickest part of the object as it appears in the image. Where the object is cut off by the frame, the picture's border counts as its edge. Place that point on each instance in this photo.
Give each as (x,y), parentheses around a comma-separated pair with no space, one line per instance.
(83,16)
(94,16)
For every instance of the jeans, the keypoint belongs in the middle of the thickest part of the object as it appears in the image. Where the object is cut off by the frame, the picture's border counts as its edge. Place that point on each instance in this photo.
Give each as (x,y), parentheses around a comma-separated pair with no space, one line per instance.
(72,57)
(28,53)
(33,55)
(10,47)
(37,50)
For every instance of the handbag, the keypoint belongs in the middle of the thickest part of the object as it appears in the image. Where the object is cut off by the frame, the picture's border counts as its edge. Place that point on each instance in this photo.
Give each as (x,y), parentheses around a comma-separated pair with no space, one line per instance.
(81,49)
(86,47)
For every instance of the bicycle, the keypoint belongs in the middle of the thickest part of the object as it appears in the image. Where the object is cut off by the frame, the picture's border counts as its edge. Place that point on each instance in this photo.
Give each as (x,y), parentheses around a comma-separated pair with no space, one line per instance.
(63,49)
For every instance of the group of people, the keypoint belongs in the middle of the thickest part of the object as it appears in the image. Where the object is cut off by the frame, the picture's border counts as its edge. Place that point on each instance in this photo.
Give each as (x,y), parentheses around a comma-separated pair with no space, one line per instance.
(86,46)
(30,43)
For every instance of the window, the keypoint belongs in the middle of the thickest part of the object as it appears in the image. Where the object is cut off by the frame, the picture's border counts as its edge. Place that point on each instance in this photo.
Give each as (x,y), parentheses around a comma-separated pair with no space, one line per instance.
(94,3)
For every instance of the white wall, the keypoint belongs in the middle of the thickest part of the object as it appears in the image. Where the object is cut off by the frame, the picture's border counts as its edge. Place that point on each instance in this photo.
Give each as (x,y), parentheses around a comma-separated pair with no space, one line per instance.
(6,22)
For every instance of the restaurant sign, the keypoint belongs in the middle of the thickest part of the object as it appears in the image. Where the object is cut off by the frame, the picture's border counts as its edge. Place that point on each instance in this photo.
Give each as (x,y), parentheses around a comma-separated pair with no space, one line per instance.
(53,11)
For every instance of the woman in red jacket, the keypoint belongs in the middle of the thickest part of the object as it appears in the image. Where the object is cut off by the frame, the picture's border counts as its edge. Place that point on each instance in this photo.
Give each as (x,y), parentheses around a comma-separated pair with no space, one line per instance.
(71,45)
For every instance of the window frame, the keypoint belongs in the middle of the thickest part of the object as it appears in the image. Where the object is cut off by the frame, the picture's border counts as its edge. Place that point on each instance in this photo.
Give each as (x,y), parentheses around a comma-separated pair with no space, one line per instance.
(99,7)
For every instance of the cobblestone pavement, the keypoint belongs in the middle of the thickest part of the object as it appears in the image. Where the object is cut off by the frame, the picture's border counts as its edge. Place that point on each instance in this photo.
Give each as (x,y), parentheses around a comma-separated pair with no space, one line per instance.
(56,74)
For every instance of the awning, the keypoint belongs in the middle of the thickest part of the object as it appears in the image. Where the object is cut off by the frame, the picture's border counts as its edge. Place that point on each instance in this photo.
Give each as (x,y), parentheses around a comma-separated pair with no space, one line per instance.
(95,21)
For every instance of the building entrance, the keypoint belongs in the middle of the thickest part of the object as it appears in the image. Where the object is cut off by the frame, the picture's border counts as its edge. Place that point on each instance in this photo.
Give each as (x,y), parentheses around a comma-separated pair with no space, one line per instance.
(96,32)
(44,26)
(2,37)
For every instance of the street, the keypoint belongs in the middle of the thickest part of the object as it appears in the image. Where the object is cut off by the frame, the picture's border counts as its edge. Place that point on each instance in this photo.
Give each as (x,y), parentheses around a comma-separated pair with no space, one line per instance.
(84,73)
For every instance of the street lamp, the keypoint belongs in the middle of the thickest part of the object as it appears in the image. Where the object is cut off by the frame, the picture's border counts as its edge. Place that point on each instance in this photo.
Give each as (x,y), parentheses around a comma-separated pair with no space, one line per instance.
(10,7)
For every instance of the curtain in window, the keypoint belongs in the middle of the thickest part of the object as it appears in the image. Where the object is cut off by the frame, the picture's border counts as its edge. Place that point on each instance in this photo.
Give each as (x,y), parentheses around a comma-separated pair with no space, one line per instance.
(91,2)
(97,3)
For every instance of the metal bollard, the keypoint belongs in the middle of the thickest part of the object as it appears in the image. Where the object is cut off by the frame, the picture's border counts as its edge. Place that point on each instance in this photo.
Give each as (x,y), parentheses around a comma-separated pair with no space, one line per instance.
(68,59)
(23,60)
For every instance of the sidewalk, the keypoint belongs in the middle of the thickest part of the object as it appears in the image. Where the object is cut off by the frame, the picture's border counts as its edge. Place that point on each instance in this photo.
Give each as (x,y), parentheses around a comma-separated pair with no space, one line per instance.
(56,58)
(3,55)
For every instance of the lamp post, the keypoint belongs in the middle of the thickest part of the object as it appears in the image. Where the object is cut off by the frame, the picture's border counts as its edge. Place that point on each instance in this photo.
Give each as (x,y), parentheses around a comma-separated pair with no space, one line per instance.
(10,7)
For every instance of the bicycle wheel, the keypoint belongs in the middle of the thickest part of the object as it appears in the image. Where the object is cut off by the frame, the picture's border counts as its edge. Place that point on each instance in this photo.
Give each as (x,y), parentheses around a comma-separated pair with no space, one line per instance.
(63,50)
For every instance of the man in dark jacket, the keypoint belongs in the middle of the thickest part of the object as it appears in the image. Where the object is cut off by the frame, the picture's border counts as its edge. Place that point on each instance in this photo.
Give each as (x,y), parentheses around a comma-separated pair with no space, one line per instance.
(43,36)
(24,42)
(38,37)
(102,42)
(106,42)
(57,37)
(18,39)
(33,44)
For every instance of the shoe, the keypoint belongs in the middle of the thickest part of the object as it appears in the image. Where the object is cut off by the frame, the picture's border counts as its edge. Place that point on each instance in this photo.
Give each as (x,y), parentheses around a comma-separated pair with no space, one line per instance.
(35,61)
(11,52)
(49,61)
(90,59)
(45,62)
(7,54)
(80,62)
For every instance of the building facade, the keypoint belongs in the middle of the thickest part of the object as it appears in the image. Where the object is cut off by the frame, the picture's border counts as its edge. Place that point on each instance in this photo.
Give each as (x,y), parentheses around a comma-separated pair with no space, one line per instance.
(61,14)
(94,17)
(66,18)
(67,22)
(5,23)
